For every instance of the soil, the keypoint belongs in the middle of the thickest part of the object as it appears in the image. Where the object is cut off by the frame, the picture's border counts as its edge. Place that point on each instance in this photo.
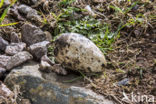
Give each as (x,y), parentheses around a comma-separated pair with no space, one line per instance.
(133,57)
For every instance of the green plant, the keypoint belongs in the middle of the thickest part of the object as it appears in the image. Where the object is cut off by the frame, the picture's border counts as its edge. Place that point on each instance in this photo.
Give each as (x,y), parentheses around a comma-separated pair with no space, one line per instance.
(4,14)
(65,3)
(96,30)
(125,10)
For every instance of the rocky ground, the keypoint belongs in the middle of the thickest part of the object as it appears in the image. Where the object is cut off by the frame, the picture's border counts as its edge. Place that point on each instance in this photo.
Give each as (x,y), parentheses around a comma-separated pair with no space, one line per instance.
(72,70)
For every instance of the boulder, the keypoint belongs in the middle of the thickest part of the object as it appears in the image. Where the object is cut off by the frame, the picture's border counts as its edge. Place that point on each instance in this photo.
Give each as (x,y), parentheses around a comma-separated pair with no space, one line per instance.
(3,44)
(39,49)
(4,60)
(32,34)
(76,52)
(18,59)
(14,48)
(38,90)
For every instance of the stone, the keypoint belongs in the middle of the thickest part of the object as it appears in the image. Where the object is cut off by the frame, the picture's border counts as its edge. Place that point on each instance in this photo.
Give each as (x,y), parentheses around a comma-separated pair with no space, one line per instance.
(32,34)
(3,44)
(29,12)
(33,15)
(38,49)
(46,65)
(4,60)
(90,11)
(14,48)
(76,52)
(18,59)
(123,82)
(99,1)
(2,72)
(24,9)
(6,95)
(49,91)
(14,38)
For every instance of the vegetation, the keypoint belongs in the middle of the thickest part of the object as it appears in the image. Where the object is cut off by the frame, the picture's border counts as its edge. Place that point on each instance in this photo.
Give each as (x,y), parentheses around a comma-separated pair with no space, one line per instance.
(123,29)
(4,14)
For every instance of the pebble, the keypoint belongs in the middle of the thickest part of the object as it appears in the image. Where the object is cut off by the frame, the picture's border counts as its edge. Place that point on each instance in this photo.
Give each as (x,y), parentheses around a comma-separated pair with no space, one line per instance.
(14,48)
(18,59)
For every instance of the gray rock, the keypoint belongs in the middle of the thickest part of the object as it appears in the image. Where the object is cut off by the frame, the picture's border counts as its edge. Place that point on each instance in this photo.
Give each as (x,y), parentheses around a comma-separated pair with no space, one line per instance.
(30,13)
(3,44)
(125,81)
(39,49)
(24,9)
(14,48)
(49,91)
(4,60)
(14,38)
(18,59)
(76,52)
(32,34)
(2,72)
(33,15)
(99,1)
(46,65)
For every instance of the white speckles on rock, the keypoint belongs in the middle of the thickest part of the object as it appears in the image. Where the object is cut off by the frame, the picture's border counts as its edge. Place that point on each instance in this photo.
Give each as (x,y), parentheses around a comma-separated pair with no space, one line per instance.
(76,52)
(14,48)
(18,59)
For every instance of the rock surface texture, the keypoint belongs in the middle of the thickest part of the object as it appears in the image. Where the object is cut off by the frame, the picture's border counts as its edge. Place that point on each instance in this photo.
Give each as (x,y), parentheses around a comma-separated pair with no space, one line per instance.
(14,48)
(6,95)
(32,34)
(43,91)
(4,60)
(76,52)
(39,49)
(18,59)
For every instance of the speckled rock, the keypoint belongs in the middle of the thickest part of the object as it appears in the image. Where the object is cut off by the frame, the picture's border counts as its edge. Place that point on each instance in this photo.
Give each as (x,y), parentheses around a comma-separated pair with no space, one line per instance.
(14,48)
(6,95)
(3,44)
(45,91)
(32,34)
(18,59)
(76,52)
(4,60)
(39,49)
